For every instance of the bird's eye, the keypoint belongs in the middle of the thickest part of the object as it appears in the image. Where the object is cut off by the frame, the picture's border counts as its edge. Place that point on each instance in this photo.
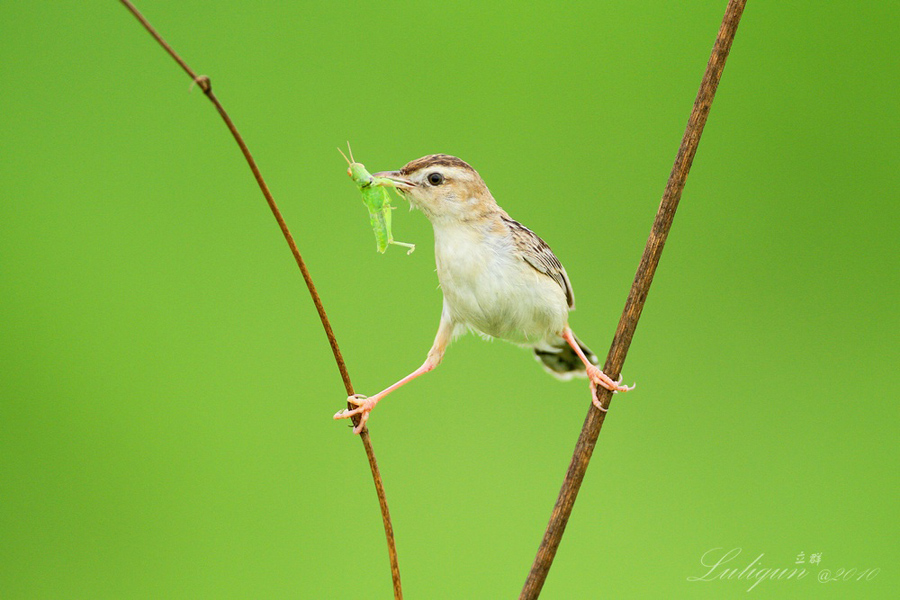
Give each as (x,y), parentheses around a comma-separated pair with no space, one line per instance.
(435,178)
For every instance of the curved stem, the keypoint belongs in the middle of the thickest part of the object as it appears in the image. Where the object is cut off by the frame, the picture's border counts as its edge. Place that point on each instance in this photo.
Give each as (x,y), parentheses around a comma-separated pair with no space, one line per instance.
(635,303)
(204,83)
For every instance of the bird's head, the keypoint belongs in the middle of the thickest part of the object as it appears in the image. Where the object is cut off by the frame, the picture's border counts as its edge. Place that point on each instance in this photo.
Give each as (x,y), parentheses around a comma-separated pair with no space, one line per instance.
(444,187)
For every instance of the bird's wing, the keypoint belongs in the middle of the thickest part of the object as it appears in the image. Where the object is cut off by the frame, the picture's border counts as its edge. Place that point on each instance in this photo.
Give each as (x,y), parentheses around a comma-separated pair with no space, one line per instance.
(538,254)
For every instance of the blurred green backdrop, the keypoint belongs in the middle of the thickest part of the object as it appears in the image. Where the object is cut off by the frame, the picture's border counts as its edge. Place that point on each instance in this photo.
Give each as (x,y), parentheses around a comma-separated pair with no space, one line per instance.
(167,389)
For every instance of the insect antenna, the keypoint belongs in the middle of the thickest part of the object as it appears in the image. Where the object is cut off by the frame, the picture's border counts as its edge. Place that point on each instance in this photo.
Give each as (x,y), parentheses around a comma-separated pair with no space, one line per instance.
(350,151)
(344,155)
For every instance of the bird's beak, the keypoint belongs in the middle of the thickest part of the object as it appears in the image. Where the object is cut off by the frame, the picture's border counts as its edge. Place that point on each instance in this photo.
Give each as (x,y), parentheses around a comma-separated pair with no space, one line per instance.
(399,182)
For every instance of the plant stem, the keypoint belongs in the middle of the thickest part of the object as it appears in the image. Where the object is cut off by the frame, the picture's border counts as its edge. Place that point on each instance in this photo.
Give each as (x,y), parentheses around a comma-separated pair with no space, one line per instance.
(204,83)
(635,303)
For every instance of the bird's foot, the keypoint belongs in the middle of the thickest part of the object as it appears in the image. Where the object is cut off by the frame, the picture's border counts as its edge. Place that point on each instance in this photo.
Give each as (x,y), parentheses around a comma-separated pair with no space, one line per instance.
(364,406)
(598,377)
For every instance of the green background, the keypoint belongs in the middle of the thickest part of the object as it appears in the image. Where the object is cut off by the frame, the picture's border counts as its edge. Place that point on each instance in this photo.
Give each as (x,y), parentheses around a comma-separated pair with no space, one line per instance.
(167,389)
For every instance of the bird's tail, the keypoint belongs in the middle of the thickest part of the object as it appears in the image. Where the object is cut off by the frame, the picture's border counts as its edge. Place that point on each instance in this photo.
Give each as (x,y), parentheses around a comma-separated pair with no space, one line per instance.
(560,360)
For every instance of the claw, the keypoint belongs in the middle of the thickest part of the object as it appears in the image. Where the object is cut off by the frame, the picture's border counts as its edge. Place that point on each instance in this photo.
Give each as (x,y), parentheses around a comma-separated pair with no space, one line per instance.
(598,377)
(364,406)
(595,400)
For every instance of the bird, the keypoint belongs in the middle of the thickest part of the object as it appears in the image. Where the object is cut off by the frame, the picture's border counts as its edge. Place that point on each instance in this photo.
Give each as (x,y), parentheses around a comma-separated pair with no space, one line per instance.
(498,278)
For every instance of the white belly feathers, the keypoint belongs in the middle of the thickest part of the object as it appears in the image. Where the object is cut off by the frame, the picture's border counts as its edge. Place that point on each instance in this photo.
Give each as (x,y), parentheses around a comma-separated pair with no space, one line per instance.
(489,288)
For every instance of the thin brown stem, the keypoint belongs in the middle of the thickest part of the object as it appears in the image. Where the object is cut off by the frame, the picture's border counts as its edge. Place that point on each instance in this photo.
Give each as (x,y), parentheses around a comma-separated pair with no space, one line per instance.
(635,303)
(204,83)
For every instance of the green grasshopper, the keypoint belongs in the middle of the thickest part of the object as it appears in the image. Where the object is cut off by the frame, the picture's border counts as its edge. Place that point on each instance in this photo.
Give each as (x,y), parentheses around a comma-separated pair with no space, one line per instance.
(376,198)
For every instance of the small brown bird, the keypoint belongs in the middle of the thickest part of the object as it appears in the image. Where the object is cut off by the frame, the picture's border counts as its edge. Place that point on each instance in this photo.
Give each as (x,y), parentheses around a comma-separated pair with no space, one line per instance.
(498,278)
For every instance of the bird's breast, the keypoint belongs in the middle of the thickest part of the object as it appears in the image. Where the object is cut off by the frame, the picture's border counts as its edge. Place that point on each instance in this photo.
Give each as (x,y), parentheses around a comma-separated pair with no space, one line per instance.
(488,287)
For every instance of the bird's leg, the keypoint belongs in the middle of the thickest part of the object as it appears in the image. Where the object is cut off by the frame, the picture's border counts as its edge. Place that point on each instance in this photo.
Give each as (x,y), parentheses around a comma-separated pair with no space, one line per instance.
(594,373)
(364,404)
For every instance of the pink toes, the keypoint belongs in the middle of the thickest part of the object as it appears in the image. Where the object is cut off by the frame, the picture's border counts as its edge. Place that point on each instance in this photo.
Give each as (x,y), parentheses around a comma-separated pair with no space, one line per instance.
(598,377)
(363,408)
(595,400)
